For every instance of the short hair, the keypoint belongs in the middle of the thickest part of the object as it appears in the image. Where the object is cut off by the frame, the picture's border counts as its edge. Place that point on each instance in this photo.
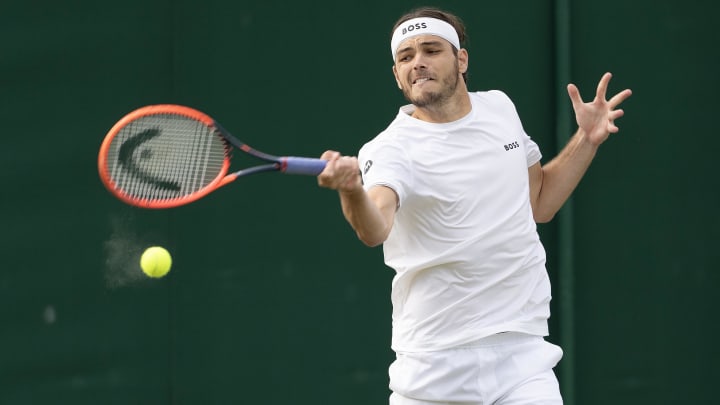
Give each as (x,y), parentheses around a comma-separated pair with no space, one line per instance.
(433,12)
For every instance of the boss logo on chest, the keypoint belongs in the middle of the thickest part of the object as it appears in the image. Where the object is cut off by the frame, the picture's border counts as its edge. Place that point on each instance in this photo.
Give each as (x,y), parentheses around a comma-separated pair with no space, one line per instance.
(512,146)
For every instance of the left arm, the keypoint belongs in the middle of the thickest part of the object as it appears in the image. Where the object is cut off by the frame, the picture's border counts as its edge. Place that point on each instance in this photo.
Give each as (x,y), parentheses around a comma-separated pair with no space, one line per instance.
(552,184)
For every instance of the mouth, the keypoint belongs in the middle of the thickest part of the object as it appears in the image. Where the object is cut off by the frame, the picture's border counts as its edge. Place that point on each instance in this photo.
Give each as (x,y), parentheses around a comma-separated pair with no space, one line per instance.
(421,80)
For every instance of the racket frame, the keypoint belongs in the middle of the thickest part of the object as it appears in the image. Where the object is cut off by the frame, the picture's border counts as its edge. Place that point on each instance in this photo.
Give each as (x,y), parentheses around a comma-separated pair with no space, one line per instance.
(285,164)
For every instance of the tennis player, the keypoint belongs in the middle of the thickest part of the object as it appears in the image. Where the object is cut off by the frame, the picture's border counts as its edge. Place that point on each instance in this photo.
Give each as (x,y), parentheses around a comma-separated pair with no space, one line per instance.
(453,189)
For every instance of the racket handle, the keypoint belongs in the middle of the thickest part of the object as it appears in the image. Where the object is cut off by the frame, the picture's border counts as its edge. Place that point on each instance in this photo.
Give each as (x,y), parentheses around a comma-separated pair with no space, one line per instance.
(302,165)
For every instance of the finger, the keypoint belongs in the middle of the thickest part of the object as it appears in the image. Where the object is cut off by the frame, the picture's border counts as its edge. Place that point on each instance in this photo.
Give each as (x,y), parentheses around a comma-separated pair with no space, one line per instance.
(619,98)
(603,85)
(325,178)
(330,155)
(349,160)
(613,115)
(574,94)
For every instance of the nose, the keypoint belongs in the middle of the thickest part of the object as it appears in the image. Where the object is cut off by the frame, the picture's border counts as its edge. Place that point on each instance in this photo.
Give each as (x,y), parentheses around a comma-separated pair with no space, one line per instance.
(419,62)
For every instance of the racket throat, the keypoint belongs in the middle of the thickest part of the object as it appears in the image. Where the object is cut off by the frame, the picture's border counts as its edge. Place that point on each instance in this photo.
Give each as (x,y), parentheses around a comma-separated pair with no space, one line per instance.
(270,167)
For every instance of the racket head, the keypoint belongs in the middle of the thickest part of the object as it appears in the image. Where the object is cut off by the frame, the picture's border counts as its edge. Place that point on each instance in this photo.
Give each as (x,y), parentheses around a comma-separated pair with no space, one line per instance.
(164,156)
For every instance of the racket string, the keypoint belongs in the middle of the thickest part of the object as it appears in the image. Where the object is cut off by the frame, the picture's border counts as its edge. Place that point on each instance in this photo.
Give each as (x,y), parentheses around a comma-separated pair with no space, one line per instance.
(165,156)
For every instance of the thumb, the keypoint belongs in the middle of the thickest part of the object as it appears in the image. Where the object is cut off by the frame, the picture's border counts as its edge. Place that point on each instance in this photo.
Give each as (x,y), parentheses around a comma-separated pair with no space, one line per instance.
(574,94)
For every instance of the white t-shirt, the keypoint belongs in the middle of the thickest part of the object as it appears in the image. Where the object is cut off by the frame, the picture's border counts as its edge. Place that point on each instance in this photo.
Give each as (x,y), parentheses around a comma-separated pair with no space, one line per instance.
(468,259)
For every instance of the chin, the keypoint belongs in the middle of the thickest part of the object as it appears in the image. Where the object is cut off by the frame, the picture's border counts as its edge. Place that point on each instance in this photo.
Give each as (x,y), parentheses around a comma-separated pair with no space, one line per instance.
(425,99)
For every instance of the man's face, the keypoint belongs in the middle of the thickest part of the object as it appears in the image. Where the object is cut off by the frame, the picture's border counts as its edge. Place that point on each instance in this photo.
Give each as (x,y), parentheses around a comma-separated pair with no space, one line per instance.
(427,70)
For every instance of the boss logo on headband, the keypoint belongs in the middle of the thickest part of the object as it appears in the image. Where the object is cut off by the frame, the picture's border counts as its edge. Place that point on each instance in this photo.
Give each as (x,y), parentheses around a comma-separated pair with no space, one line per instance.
(413,27)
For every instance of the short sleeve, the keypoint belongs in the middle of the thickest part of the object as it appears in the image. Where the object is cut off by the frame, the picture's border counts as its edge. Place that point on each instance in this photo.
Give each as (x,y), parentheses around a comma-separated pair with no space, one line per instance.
(385,163)
(532,151)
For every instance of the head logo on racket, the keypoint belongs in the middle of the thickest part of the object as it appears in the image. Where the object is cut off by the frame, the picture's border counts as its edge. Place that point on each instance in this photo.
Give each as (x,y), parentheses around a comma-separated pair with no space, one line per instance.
(126,158)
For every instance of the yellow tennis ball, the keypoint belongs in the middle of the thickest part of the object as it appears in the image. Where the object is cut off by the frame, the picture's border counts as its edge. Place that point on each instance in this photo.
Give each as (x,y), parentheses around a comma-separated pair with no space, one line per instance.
(155,261)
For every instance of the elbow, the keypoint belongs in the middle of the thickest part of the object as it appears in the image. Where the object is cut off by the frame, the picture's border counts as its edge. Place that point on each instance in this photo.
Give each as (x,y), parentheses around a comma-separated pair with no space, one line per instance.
(543,218)
(373,240)
(541,212)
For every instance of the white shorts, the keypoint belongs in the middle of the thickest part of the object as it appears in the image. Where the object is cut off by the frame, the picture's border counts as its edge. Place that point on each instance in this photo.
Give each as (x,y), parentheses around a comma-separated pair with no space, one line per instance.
(503,369)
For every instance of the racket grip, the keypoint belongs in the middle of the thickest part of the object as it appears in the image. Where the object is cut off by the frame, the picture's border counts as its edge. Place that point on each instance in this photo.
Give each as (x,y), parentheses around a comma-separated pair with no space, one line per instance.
(302,165)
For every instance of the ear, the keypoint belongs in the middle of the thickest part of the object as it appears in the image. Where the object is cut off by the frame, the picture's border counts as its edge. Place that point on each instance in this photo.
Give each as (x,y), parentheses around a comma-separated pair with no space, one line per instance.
(463,60)
(396,78)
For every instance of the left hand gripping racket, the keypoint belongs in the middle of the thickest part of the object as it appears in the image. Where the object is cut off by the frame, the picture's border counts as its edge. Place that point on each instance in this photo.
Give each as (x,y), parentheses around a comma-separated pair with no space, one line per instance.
(164,156)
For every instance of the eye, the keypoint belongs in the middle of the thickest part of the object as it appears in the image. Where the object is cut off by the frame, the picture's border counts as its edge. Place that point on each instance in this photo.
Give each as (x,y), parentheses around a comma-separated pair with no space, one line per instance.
(404,57)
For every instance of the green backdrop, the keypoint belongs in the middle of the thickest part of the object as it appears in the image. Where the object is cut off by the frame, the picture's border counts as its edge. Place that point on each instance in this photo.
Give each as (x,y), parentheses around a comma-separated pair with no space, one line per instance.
(271,298)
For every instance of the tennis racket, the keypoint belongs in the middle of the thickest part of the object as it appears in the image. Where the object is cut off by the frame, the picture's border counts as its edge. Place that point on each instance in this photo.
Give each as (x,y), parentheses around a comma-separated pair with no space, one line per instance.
(164,156)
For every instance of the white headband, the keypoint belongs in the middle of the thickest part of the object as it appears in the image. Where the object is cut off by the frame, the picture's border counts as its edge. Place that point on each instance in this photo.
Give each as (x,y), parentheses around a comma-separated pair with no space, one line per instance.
(423,26)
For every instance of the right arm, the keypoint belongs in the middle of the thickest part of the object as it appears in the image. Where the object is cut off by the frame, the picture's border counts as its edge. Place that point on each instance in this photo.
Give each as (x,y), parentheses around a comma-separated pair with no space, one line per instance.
(370,213)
